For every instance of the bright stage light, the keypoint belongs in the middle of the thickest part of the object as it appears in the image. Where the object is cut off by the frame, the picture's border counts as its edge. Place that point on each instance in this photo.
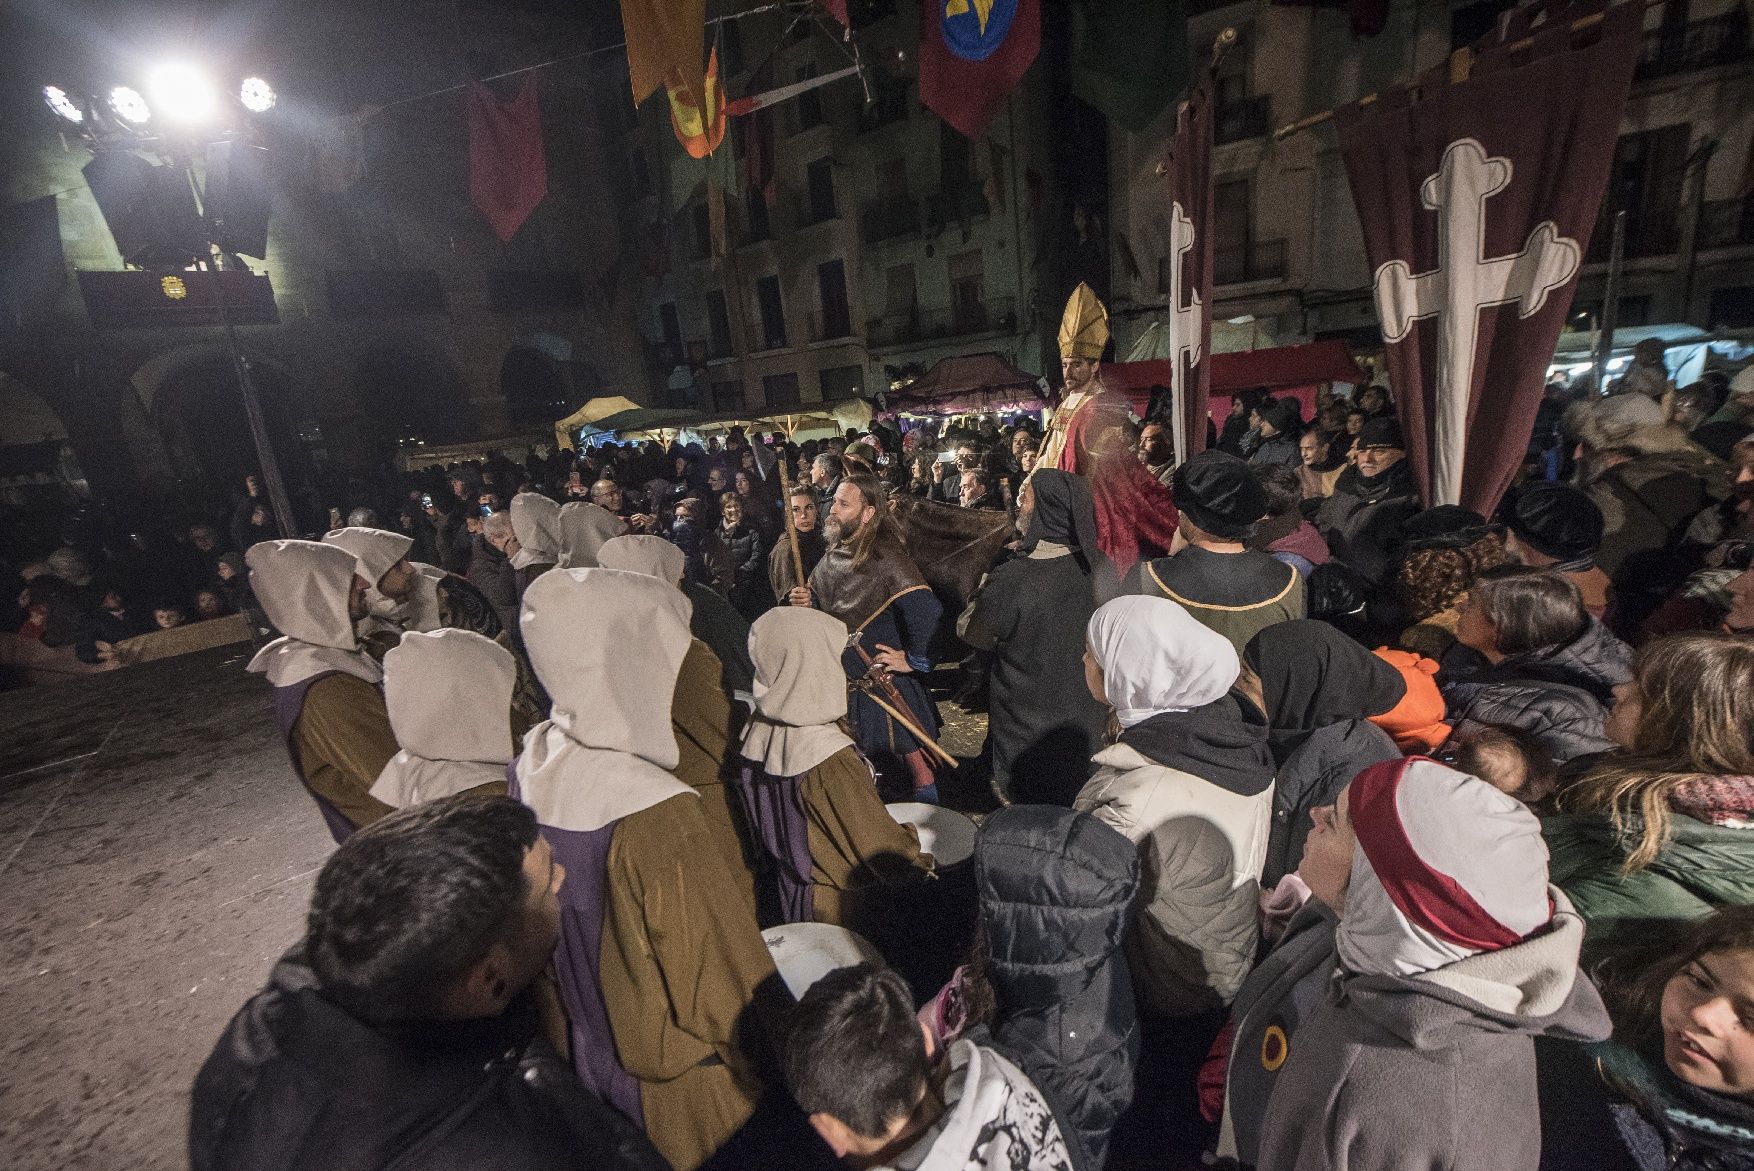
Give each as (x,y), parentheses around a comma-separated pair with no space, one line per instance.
(129,105)
(181,94)
(63,105)
(256,95)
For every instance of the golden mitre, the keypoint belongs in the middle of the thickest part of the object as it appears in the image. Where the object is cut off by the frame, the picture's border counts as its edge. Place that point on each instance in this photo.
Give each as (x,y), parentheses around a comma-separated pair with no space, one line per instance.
(1084,328)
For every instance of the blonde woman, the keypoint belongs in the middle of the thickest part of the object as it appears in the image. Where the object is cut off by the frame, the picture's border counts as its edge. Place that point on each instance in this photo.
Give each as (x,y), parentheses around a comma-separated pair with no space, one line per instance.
(1662,828)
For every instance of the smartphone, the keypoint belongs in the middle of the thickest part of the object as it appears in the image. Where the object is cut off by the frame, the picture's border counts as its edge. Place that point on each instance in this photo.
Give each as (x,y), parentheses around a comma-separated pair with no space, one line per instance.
(946,457)
(426,500)
(487,510)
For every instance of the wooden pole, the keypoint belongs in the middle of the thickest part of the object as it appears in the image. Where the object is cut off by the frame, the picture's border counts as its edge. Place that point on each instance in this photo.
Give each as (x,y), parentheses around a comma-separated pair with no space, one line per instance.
(1461,65)
(913,729)
(791,525)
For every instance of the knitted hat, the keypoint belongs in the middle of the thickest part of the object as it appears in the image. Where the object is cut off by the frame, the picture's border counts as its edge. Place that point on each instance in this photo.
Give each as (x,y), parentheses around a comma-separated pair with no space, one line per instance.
(1381,432)
(1416,723)
(1446,867)
(1448,526)
(1084,327)
(1557,520)
(1219,493)
(1285,414)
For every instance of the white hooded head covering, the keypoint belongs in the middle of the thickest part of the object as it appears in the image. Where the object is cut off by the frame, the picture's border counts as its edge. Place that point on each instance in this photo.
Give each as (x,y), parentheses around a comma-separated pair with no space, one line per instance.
(536,525)
(584,528)
(608,646)
(421,612)
(449,694)
(303,588)
(1155,657)
(800,690)
(1446,867)
(376,552)
(642,553)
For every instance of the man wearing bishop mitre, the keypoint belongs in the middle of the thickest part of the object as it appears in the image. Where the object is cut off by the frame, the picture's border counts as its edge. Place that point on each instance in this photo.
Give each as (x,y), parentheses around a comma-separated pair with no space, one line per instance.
(1090,437)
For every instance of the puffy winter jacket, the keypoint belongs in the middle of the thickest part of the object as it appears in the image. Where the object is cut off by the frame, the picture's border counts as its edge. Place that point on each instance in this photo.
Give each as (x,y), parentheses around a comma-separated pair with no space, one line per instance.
(1558,695)
(1056,888)
(1701,867)
(1203,845)
(295,1082)
(1312,776)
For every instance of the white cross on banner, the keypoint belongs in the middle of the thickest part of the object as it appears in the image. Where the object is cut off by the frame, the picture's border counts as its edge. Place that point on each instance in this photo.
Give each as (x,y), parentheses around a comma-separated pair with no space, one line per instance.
(1464,282)
(1477,186)
(1187,324)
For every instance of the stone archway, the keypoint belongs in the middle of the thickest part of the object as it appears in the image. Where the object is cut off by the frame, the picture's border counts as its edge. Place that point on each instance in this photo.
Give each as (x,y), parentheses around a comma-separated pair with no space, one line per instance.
(191,396)
(534,385)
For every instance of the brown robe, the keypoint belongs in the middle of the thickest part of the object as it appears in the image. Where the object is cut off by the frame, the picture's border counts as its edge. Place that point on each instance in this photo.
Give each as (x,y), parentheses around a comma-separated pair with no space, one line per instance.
(679,972)
(343,739)
(856,848)
(704,722)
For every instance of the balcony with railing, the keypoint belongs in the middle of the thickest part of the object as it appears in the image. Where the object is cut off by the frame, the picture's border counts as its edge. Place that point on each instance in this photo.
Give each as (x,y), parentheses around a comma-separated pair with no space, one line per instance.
(1650,231)
(830,326)
(1726,223)
(1243,119)
(955,206)
(1701,44)
(949,321)
(1259,260)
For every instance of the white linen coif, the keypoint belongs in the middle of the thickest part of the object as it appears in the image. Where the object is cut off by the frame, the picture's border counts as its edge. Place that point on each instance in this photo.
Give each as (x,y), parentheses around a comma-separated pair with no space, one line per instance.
(1155,657)
(303,588)
(449,695)
(800,690)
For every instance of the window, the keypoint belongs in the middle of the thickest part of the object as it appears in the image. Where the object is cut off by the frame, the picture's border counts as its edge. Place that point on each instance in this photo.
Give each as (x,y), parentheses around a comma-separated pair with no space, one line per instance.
(728,395)
(773,318)
(892,179)
(955,160)
(718,323)
(780,390)
(703,231)
(1236,255)
(819,177)
(1645,183)
(671,326)
(831,284)
(807,110)
(842,382)
(968,294)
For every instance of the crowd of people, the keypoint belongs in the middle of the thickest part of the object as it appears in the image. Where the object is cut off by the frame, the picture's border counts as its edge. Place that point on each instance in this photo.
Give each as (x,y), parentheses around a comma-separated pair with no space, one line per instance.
(1340,832)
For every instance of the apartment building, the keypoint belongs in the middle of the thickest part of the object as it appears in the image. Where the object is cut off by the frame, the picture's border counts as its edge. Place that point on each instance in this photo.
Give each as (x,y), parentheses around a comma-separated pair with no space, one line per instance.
(1289,261)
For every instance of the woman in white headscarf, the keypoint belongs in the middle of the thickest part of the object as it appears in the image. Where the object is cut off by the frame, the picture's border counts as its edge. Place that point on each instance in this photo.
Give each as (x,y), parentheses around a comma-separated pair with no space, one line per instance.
(656,967)
(582,529)
(449,694)
(810,798)
(1191,784)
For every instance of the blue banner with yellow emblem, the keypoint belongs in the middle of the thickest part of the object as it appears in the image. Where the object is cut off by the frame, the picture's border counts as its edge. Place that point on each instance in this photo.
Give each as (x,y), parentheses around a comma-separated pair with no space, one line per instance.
(972,55)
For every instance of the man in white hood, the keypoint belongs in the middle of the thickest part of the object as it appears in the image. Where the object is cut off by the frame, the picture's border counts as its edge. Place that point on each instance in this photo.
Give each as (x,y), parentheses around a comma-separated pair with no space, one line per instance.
(863,1068)
(535,537)
(1453,954)
(583,528)
(449,695)
(326,696)
(382,560)
(657,968)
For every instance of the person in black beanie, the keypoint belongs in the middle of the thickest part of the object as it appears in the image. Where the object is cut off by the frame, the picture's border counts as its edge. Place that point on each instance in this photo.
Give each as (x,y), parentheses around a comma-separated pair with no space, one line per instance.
(1225,585)
(1558,527)
(1281,426)
(1371,501)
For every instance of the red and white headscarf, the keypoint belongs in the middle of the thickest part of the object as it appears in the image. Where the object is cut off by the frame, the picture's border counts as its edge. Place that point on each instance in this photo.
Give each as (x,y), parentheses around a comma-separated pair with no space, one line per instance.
(1446,867)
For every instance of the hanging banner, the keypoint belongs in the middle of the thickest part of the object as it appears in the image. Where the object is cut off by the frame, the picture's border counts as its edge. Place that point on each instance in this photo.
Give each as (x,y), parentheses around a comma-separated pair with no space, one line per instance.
(972,55)
(508,168)
(1191,217)
(699,128)
(1477,194)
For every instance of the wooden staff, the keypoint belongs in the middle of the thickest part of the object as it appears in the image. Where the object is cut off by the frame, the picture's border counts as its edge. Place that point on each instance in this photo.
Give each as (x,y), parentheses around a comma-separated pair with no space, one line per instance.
(913,728)
(791,525)
(884,682)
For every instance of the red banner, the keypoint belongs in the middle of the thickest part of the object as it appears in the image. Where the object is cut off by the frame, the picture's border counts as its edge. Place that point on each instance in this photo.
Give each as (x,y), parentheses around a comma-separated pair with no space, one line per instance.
(972,55)
(1190,266)
(508,168)
(1477,198)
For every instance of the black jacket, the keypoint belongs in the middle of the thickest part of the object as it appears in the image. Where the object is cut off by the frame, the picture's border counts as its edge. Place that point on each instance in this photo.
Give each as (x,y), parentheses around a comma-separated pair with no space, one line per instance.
(295,1082)
(1055,892)
(1559,694)
(1361,521)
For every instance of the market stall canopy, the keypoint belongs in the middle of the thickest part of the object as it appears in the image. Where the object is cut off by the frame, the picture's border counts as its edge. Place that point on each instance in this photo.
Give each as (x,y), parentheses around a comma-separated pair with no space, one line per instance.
(636,423)
(1685,357)
(597,408)
(966,384)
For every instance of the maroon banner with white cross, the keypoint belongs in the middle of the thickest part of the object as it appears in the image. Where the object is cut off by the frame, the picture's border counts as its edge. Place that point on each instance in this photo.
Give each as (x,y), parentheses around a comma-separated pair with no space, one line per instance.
(1189,320)
(1477,198)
